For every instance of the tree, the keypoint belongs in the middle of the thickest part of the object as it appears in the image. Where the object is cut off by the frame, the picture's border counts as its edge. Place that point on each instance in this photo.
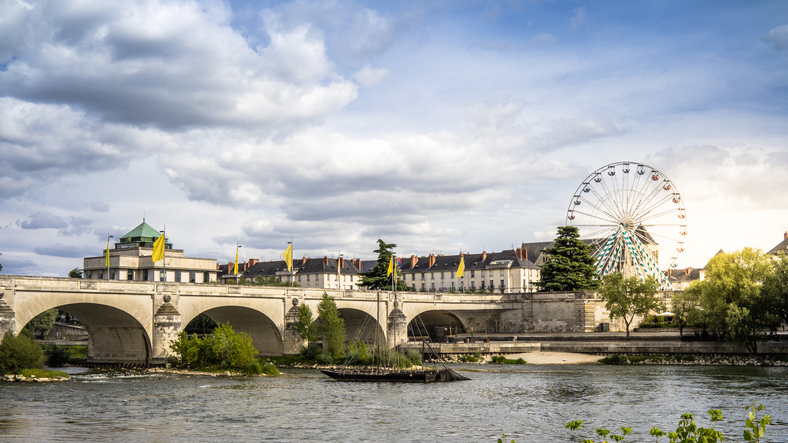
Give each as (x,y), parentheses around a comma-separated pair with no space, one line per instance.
(775,288)
(75,273)
(377,277)
(626,298)
(19,352)
(684,305)
(732,299)
(43,322)
(332,326)
(306,327)
(569,265)
(224,348)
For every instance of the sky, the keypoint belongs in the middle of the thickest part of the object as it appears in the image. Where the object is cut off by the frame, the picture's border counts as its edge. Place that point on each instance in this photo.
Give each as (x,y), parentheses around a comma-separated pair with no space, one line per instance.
(441,126)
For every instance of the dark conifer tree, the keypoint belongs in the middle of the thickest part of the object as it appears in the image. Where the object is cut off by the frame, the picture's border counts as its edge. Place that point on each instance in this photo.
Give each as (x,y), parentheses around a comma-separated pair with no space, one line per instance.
(569,265)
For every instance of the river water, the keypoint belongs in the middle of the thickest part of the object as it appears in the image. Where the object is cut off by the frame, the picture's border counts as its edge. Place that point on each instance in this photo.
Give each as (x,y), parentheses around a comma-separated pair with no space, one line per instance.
(529,403)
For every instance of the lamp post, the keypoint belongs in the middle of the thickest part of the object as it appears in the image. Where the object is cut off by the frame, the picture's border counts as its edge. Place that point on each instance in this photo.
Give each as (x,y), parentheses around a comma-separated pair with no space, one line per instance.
(339,270)
(107,261)
(237,246)
(163,275)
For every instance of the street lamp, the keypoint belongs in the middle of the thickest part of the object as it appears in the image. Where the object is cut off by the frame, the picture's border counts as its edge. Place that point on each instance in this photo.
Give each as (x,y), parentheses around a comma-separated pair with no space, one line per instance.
(339,270)
(237,246)
(107,260)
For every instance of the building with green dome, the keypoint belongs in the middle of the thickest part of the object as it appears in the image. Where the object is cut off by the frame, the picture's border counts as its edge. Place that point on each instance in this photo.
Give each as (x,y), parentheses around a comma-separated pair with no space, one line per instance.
(130,259)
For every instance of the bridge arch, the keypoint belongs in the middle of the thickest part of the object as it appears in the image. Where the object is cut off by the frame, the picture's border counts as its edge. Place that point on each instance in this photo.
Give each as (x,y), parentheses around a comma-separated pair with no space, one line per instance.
(114,335)
(359,324)
(433,323)
(266,335)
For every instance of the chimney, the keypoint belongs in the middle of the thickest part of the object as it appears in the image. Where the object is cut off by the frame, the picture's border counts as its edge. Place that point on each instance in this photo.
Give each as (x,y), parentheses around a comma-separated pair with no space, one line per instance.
(413,261)
(357,262)
(484,255)
(785,236)
(341,262)
(303,260)
(687,271)
(325,260)
(519,252)
(253,261)
(431,261)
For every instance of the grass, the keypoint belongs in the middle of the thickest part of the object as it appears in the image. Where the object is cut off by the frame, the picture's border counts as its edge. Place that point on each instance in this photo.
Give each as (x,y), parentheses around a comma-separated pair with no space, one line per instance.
(42,373)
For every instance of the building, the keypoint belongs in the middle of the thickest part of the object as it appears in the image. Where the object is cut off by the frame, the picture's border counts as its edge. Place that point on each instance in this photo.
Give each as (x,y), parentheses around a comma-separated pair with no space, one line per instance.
(321,273)
(680,279)
(781,248)
(506,272)
(130,259)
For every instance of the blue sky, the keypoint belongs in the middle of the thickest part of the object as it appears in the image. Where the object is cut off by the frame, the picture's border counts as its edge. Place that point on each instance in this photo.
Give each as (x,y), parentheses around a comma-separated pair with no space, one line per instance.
(439,126)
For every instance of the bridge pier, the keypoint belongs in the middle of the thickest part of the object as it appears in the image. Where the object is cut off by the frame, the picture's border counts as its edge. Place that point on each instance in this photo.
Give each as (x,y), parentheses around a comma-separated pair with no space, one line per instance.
(166,327)
(292,342)
(398,327)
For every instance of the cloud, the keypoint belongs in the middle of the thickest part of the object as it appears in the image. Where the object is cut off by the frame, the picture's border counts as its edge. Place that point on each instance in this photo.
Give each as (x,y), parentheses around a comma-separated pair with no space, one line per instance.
(777,38)
(579,19)
(19,267)
(43,220)
(369,76)
(168,65)
(68,251)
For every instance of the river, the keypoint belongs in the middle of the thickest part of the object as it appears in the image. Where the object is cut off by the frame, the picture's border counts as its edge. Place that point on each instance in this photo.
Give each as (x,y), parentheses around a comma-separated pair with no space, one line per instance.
(529,403)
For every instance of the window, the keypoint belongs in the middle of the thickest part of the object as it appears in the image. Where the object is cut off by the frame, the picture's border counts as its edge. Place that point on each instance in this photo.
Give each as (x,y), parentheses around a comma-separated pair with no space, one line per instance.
(423,288)
(162,276)
(482,274)
(307,277)
(100,274)
(482,285)
(112,274)
(206,277)
(130,275)
(178,275)
(473,285)
(299,278)
(501,272)
(492,284)
(144,275)
(502,285)
(442,275)
(192,277)
(452,286)
(472,274)
(432,277)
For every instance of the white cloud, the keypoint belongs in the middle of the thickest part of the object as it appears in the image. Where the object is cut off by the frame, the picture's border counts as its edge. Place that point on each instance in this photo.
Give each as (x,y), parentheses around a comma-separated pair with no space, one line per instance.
(369,76)
(777,38)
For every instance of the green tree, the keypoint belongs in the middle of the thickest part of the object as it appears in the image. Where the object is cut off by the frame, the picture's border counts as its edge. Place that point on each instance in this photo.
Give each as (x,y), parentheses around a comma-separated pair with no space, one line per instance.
(569,265)
(775,288)
(306,327)
(75,273)
(19,352)
(377,277)
(332,326)
(224,348)
(626,298)
(684,305)
(731,296)
(43,322)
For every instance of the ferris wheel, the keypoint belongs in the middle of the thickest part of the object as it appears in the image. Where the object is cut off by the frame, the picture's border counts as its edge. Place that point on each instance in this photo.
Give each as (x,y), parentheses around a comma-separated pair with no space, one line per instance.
(633,217)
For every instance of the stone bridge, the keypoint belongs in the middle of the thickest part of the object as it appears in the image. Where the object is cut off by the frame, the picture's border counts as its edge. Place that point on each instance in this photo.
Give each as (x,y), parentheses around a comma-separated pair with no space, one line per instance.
(130,322)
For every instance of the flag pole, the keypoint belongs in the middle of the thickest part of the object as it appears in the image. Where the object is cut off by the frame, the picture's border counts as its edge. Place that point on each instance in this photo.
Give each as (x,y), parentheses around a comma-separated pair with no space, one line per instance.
(163,254)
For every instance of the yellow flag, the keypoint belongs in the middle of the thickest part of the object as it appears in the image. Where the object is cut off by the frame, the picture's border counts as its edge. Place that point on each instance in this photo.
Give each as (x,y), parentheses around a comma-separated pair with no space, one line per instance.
(288,256)
(158,249)
(106,261)
(461,267)
(391,266)
(235,269)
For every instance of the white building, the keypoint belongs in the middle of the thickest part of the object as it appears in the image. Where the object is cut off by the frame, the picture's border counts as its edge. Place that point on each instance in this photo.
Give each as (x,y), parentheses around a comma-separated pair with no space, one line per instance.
(131,260)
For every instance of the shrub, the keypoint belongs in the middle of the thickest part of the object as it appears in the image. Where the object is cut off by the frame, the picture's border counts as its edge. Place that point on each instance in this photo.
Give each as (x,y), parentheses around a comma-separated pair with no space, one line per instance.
(415,357)
(502,360)
(56,355)
(469,358)
(254,368)
(223,348)
(19,352)
(270,369)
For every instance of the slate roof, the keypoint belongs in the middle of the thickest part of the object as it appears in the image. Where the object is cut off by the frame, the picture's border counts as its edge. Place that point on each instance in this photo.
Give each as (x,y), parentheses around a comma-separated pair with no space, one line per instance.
(494,260)
(310,266)
(684,275)
(781,248)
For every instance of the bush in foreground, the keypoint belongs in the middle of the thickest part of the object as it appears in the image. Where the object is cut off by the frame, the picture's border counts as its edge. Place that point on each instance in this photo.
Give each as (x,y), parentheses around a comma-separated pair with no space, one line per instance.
(18,352)
(222,349)
(502,360)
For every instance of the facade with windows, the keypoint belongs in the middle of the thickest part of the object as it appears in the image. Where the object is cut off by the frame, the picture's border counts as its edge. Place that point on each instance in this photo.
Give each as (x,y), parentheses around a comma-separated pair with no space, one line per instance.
(130,259)
(321,273)
(504,272)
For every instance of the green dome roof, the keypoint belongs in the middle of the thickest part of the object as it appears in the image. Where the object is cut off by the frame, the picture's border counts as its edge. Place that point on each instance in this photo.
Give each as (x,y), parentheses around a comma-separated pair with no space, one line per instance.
(144,230)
